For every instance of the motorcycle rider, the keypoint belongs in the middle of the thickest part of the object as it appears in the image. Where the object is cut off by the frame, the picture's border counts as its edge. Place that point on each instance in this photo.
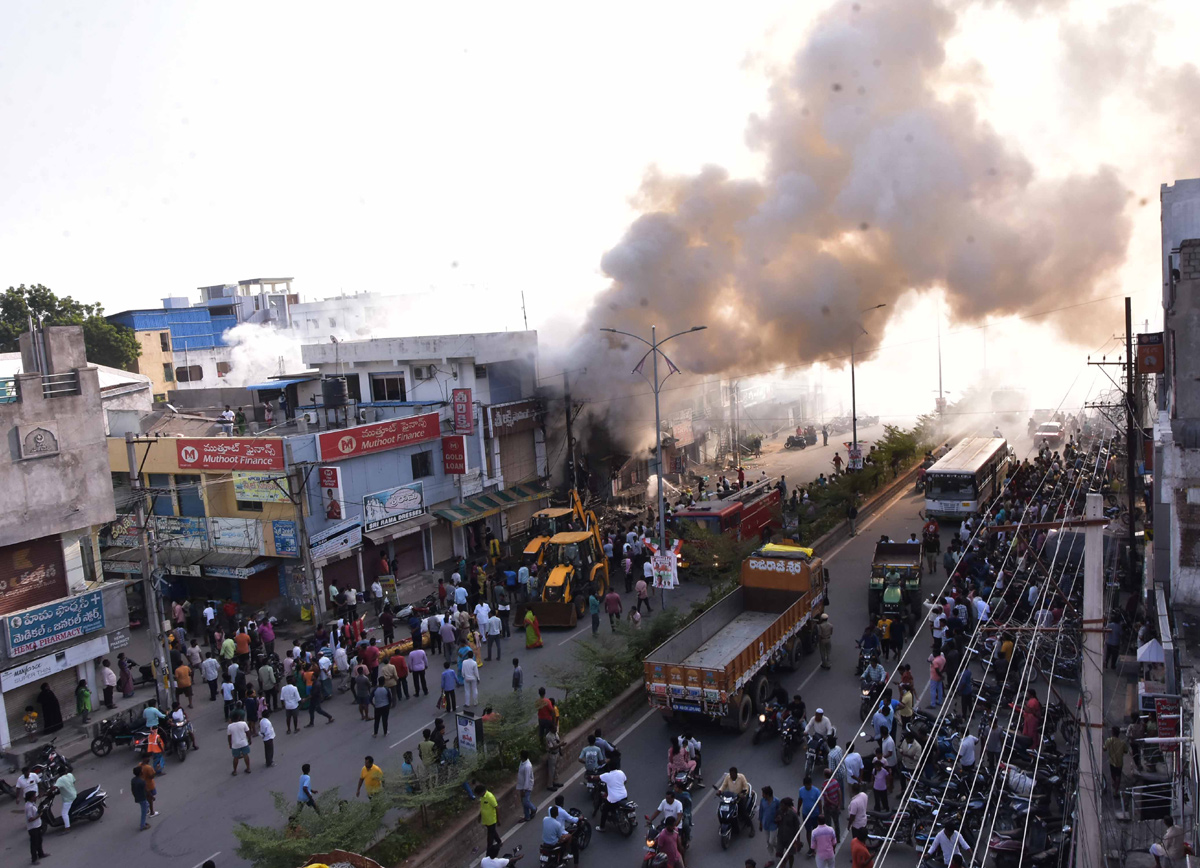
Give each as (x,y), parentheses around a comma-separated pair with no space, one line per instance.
(673,809)
(614,782)
(178,715)
(685,798)
(693,748)
(796,708)
(569,823)
(667,842)
(592,756)
(677,759)
(820,725)
(554,830)
(949,841)
(737,784)
(868,643)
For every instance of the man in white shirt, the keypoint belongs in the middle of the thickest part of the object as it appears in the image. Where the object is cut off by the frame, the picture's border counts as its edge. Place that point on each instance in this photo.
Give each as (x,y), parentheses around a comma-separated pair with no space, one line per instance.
(266,731)
(210,615)
(28,782)
(949,842)
(239,743)
(853,764)
(648,573)
(982,610)
(210,669)
(482,612)
(967,749)
(290,697)
(470,673)
(377,596)
(493,859)
(494,628)
(615,781)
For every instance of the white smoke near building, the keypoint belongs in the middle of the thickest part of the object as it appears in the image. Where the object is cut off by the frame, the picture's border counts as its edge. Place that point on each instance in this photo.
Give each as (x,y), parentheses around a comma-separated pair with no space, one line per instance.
(259,352)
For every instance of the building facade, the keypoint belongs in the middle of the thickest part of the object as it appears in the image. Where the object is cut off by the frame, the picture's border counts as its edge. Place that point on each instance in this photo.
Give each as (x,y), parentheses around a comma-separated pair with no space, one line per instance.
(60,618)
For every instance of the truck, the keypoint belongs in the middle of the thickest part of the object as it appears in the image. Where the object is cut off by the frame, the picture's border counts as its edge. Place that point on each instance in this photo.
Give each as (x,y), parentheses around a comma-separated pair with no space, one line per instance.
(545,523)
(895,598)
(742,514)
(577,567)
(718,665)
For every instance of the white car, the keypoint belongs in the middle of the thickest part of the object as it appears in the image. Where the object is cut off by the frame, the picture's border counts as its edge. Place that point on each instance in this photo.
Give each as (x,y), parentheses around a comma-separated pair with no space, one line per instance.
(1050,433)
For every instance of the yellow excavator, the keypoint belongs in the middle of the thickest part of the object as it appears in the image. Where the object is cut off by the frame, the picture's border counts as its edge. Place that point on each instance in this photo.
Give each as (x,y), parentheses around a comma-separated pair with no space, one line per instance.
(547,522)
(577,567)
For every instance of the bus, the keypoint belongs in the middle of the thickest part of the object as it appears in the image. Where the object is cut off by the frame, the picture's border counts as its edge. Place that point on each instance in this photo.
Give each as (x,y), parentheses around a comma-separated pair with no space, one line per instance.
(970,474)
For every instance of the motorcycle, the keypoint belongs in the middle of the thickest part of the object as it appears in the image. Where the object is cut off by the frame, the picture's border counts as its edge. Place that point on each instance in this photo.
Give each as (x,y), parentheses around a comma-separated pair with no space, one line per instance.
(1039,847)
(731,819)
(768,722)
(556,855)
(50,764)
(624,811)
(144,673)
(179,739)
(879,825)
(654,857)
(685,780)
(114,731)
(870,692)
(88,805)
(794,442)
(817,754)
(791,735)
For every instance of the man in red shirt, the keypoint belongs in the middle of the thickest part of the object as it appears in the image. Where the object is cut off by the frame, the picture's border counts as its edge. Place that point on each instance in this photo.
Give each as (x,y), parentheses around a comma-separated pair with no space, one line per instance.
(860,856)
(668,844)
(370,656)
(402,674)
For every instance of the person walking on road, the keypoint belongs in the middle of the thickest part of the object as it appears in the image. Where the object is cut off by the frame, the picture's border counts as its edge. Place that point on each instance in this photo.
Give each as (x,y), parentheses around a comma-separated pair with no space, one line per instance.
(612,606)
(417,663)
(239,737)
(372,776)
(788,822)
(825,640)
(449,686)
(495,629)
(137,787)
(643,595)
(488,815)
(289,696)
(266,731)
(553,755)
(824,436)
(594,611)
(525,786)
(381,700)
(314,708)
(33,825)
(304,796)
(852,517)
(768,814)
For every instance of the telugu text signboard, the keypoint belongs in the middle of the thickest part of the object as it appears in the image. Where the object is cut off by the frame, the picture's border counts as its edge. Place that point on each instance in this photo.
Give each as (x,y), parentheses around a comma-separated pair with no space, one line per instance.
(31,572)
(260,487)
(379,436)
(48,625)
(513,418)
(229,453)
(454,454)
(464,417)
(286,539)
(393,505)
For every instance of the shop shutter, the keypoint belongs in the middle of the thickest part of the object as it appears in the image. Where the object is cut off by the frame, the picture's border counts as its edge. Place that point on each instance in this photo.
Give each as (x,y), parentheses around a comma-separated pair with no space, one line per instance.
(62,683)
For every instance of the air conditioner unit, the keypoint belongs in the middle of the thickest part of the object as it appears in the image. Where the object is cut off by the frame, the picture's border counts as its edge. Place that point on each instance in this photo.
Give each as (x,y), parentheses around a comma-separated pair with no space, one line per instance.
(310,416)
(423,372)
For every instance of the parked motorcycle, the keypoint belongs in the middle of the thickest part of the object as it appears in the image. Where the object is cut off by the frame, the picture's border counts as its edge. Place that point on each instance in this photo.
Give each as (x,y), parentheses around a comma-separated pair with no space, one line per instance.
(1040,846)
(794,442)
(88,805)
(731,819)
(114,731)
(50,764)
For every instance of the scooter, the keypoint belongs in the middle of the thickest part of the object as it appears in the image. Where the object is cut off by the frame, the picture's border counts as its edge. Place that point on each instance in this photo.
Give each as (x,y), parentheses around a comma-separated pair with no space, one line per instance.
(731,819)
(179,740)
(1040,847)
(88,805)
(114,731)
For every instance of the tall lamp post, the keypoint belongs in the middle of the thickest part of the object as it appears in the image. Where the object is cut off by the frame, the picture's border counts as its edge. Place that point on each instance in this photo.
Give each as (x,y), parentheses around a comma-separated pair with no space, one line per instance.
(654,343)
(853,404)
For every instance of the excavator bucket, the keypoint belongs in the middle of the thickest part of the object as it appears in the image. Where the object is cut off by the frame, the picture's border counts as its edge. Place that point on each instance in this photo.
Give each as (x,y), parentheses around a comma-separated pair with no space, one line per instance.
(554,614)
(557,607)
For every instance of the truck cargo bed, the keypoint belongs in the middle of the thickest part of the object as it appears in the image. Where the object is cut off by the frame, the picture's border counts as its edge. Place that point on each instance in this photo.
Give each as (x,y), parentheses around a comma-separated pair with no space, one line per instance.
(719,651)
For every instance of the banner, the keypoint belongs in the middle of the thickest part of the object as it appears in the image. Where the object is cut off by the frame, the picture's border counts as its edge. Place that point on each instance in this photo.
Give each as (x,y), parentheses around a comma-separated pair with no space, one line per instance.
(1149,359)
(330,480)
(454,454)
(335,540)
(242,535)
(393,505)
(379,436)
(666,573)
(287,542)
(180,530)
(48,625)
(464,416)
(260,487)
(229,453)
(31,572)
(124,532)
(513,418)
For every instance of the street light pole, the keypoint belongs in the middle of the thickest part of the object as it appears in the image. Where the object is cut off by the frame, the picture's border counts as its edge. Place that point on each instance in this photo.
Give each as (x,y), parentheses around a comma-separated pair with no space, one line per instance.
(654,343)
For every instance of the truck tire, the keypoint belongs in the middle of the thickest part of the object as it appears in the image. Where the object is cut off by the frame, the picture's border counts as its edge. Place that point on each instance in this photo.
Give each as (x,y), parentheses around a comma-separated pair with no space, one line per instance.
(743,713)
(760,692)
(794,653)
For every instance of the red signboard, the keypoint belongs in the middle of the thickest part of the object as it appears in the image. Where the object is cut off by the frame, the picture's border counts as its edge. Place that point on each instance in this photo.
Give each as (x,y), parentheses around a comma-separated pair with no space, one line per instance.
(1149,357)
(330,480)
(464,418)
(31,573)
(454,454)
(379,437)
(1166,712)
(229,453)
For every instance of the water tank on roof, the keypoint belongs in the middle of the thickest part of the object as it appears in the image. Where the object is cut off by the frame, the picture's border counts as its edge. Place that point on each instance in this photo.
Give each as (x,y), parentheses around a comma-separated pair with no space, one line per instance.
(176,302)
(333,392)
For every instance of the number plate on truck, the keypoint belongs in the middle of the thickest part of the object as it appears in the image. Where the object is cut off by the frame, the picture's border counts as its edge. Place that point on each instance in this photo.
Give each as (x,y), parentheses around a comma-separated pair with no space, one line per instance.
(686,706)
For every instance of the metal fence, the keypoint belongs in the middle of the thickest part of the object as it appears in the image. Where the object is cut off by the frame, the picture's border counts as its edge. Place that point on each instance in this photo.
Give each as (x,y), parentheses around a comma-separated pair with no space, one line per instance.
(60,385)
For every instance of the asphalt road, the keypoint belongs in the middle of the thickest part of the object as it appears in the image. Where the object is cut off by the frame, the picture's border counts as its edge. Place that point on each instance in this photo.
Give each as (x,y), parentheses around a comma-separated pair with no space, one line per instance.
(200,802)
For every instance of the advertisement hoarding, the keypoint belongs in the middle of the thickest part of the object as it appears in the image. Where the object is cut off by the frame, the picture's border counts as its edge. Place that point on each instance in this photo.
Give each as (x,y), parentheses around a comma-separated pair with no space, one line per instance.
(393,505)
(48,625)
(229,453)
(31,572)
(454,454)
(336,539)
(260,487)
(287,541)
(330,480)
(464,416)
(379,436)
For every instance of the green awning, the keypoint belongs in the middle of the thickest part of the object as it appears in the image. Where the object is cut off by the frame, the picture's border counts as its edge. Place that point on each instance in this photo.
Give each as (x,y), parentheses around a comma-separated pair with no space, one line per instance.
(483,505)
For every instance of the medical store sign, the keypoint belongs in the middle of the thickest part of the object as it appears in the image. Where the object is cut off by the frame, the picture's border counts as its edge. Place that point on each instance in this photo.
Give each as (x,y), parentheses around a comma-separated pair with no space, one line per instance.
(229,453)
(44,626)
(379,436)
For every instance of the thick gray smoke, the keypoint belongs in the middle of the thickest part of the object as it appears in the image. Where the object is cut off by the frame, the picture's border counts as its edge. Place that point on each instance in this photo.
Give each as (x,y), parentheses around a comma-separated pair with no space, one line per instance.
(875,183)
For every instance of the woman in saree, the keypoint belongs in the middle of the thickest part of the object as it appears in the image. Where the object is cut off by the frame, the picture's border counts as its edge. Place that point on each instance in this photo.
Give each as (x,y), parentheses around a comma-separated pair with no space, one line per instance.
(533,632)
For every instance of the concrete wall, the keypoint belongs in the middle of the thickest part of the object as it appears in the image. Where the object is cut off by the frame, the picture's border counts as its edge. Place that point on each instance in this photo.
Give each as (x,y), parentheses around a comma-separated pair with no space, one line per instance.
(58,491)
(154,361)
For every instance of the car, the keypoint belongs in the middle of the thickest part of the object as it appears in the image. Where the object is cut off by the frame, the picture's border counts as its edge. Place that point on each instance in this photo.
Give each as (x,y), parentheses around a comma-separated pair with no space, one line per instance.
(1049,432)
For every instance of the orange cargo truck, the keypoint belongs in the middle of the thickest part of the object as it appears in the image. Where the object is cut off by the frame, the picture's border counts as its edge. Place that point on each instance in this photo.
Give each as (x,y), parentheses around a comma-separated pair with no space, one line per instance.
(718,665)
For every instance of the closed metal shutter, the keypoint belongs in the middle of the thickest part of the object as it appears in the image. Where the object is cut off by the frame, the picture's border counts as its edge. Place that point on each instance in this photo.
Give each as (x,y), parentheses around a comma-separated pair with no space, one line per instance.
(62,683)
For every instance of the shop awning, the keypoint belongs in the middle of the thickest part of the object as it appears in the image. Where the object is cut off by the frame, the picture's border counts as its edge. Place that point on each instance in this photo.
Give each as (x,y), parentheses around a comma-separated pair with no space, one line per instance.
(227,559)
(279,384)
(380,535)
(483,505)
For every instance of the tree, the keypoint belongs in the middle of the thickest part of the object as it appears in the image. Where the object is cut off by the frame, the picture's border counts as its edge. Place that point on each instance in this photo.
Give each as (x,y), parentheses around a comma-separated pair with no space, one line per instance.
(104,342)
(346,825)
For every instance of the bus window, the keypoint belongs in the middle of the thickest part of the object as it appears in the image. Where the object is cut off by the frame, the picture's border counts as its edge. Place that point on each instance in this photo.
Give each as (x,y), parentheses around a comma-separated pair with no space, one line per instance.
(949,487)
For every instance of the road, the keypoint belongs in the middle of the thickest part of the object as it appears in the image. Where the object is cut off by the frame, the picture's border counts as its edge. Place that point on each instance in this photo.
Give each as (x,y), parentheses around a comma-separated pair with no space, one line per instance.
(200,802)
(801,466)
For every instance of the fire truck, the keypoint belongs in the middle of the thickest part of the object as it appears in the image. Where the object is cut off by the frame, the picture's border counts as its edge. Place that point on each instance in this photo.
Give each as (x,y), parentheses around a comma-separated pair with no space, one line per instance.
(743,514)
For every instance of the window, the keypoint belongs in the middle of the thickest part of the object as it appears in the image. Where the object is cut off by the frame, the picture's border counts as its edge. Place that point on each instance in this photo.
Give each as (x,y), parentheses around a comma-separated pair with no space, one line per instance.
(223,369)
(249,505)
(162,499)
(422,464)
(168,372)
(481,372)
(332,323)
(354,387)
(388,387)
(190,374)
(164,341)
(187,489)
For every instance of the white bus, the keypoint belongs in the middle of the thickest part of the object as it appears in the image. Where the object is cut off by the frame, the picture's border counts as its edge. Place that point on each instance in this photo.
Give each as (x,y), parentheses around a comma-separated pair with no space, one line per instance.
(970,474)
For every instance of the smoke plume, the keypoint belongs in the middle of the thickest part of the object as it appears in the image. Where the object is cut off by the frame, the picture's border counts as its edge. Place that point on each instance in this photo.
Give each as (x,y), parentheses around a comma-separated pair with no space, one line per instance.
(875,182)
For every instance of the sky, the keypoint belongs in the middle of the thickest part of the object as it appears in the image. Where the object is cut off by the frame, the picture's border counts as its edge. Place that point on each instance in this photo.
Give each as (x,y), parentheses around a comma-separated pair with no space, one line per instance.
(485,150)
